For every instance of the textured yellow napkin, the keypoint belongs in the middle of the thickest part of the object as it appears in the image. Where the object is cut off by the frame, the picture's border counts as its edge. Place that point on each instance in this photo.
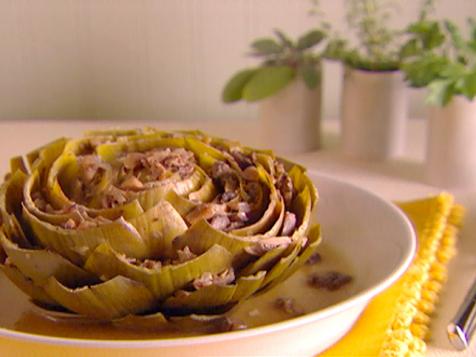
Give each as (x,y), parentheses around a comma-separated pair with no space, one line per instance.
(396,322)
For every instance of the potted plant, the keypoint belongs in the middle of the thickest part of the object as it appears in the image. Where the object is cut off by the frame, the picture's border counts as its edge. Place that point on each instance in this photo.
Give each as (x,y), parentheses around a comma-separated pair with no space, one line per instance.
(288,85)
(443,60)
(374,99)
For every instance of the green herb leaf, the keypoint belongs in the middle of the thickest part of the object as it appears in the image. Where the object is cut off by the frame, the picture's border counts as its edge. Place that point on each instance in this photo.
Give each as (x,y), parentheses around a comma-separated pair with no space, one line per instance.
(409,49)
(310,75)
(267,81)
(440,92)
(285,40)
(424,70)
(468,88)
(310,39)
(428,32)
(234,88)
(266,46)
(453,70)
(455,34)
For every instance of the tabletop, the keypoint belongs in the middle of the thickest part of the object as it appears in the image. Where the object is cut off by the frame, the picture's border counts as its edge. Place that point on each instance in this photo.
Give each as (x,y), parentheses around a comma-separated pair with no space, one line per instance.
(397,179)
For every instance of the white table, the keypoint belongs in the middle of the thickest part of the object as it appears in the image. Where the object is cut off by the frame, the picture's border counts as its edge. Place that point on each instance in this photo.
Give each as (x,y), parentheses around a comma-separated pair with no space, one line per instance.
(396,180)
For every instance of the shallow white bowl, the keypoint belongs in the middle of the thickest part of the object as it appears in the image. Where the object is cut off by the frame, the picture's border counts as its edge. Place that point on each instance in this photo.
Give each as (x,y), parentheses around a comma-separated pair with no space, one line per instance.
(371,235)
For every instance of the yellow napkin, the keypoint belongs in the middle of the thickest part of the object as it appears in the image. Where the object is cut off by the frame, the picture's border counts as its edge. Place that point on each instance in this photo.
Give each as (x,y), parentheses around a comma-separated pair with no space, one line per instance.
(396,322)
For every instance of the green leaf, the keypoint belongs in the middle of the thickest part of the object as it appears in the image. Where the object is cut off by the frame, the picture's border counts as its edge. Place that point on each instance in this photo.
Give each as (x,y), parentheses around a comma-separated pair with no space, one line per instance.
(455,34)
(434,37)
(266,46)
(234,88)
(267,81)
(440,92)
(453,70)
(468,88)
(310,75)
(335,49)
(424,70)
(409,49)
(310,39)
(428,33)
(285,40)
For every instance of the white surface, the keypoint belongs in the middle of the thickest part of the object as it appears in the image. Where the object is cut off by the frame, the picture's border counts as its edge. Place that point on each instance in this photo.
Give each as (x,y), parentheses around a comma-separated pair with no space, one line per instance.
(157,59)
(291,119)
(374,114)
(353,222)
(451,153)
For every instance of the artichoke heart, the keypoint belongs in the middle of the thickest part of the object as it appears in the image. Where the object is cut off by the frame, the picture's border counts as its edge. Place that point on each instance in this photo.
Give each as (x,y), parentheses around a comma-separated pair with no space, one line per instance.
(152,227)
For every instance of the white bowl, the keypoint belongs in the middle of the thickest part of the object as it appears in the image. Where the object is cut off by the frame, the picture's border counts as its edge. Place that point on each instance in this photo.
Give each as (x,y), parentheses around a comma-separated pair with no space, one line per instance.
(372,239)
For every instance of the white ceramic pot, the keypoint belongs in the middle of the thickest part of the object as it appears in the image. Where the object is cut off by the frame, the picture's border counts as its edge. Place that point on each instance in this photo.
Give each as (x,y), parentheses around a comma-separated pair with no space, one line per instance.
(290,120)
(373,114)
(451,144)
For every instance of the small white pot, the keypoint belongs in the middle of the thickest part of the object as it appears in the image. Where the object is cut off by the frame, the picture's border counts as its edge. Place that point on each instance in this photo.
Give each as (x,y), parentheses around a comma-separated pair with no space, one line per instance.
(373,113)
(451,144)
(290,120)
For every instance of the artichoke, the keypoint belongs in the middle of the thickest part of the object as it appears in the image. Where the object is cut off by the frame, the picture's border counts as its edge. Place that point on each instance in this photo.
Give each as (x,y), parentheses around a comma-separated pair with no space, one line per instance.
(148,224)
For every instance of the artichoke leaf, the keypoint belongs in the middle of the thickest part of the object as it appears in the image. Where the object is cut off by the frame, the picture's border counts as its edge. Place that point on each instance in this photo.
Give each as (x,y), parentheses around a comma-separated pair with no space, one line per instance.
(127,211)
(301,180)
(112,299)
(280,212)
(39,265)
(216,295)
(159,226)
(11,193)
(77,244)
(264,262)
(205,299)
(281,266)
(45,154)
(190,184)
(27,286)
(18,163)
(270,215)
(302,207)
(248,285)
(162,281)
(201,236)
(182,205)
(205,193)
(110,151)
(156,321)
(54,192)
(314,241)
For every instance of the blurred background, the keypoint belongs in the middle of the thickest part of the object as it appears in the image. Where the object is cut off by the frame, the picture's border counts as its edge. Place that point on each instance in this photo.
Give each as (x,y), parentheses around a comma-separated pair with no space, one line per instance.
(154,59)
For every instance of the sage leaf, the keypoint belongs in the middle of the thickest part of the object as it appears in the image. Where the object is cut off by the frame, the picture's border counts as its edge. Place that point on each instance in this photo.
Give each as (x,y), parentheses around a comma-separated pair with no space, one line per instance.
(310,39)
(266,46)
(469,86)
(285,40)
(455,35)
(409,49)
(234,88)
(310,75)
(440,92)
(267,81)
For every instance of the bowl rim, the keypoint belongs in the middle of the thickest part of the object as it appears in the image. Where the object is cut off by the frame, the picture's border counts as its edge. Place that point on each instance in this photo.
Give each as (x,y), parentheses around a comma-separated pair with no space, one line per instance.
(363,296)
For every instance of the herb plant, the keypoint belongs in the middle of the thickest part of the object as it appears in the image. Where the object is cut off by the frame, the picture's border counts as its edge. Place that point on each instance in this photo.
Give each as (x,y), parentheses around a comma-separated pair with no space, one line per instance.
(282,60)
(377,46)
(441,58)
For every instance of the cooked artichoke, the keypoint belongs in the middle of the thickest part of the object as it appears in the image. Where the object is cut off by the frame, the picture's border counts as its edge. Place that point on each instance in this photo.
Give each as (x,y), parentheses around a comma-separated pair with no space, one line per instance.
(147,223)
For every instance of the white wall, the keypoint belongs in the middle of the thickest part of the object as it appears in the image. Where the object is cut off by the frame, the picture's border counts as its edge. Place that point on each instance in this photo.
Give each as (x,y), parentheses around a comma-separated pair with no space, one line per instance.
(157,59)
